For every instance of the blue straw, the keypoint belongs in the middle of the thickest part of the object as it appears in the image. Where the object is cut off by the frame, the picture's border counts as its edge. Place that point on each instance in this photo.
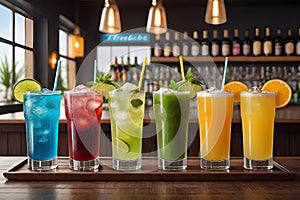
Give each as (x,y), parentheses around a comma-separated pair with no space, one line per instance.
(224,73)
(95,70)
(56,76)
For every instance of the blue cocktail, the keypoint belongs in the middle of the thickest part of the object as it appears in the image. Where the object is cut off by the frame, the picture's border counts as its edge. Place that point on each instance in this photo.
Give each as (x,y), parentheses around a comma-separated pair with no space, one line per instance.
(42,111)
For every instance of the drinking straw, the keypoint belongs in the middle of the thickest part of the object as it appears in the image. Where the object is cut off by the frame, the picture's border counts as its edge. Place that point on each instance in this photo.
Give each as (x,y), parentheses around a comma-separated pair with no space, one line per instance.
(95,70)
(56,75)
(142,73)
(224,73)
(181,67)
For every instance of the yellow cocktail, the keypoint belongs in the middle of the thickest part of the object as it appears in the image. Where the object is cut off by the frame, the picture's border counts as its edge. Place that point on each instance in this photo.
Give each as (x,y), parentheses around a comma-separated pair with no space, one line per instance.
(215,115)
(258,114)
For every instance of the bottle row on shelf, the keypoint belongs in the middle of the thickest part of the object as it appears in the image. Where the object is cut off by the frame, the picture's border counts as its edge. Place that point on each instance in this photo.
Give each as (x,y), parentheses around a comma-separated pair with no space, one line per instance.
(173,44)
(158,75)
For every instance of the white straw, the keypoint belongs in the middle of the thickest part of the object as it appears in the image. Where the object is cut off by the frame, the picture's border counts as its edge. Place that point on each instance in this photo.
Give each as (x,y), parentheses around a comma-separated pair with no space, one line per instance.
(56,76)
(224,72)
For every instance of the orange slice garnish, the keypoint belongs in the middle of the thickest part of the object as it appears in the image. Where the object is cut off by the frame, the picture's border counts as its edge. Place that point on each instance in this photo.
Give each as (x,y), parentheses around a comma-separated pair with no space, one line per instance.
(236,87)
(282,89)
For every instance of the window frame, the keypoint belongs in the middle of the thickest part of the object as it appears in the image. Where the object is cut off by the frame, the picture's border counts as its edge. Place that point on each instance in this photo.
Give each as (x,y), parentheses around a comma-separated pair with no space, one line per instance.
(13,43)
(67,28)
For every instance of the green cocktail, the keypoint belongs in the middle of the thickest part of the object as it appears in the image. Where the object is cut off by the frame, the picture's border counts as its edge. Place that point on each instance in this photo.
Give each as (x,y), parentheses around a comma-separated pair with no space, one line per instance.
(171,111)
(126,109)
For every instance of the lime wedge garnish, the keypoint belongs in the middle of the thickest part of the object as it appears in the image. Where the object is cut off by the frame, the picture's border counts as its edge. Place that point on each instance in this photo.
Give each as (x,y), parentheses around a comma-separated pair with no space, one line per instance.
(23,86)
(103,87)
(190,87)
(121,144)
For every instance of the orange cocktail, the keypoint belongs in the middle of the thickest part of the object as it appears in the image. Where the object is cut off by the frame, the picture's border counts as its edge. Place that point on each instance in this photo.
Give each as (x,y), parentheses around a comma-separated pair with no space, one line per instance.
(215,110)
(258,115)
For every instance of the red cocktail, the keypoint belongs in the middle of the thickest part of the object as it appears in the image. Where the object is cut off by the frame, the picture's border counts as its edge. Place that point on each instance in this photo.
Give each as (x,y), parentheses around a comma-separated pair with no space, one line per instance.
(83,112)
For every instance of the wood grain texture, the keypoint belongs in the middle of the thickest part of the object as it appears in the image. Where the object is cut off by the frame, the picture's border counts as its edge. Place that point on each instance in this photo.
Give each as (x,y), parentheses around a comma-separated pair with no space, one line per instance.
(152,189)
(149,172)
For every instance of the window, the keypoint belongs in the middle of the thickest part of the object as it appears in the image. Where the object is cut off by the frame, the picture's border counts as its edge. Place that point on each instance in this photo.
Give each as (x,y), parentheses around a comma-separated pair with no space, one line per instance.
(68,67)
(16,47)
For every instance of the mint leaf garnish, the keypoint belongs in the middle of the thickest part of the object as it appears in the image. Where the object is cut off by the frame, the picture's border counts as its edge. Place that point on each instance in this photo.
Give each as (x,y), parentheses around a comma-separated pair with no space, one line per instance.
(190,78)
(173,85)
(102,78)
(136,103)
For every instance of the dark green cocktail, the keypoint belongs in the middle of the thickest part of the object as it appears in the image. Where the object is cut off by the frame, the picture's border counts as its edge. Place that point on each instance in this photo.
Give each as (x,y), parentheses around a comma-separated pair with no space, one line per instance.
(171,110)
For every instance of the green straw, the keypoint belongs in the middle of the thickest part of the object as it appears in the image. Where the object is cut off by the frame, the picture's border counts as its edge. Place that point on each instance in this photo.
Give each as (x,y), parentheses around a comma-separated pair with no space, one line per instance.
(181,67)
(56,75)
(142,73)
(224,73)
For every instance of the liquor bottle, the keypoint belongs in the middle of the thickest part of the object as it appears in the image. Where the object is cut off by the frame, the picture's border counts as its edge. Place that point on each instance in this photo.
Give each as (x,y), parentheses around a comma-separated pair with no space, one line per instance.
(289,46)
(215,44)
(112,72)
(117,70)
(297,43)
(157,46)
(246,44)
(176,45)
(299,92)
(123,77)
(195,47)
(135,71)
(236,43)
(185,45)
(225,43)
(278,43)
(267,43)
(256,43)
(128,70)
(167,45)
(295,93)
(205,44)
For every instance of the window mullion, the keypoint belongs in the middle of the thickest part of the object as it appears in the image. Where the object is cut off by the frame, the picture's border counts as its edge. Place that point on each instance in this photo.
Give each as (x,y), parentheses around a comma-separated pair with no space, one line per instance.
(13,49)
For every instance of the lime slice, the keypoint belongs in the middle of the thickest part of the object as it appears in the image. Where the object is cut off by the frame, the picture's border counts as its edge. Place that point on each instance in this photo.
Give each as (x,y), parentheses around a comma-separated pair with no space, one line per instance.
(190,87)
(121,145)
(23,86)
(197,88)
(103,87)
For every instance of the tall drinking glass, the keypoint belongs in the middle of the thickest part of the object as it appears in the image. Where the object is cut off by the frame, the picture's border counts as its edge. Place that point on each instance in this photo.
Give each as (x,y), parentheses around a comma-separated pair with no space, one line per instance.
(126,117)
(83,109)
(171,111)
(215,110)
(258,115)
(41,111)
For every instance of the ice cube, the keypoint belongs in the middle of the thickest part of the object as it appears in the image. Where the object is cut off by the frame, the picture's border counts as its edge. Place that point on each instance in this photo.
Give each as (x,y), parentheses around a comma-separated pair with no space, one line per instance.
(43,135)
(51,105)
(165,90)
(39,111)
(46,90)
(128,87)
(92,105)
(114,104)
(37,124)
(81,88)
(121,116)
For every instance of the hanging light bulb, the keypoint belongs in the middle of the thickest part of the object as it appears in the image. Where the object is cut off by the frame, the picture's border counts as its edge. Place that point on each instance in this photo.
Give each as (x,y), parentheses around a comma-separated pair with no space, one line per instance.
(53,59)
(215,12)
(157,20)
(77,43)
(110,21)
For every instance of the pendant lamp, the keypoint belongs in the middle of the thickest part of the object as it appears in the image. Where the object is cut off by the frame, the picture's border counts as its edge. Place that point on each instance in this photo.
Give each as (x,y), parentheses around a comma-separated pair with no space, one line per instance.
(77,43)
(215,12)
(157,20)
(110,21)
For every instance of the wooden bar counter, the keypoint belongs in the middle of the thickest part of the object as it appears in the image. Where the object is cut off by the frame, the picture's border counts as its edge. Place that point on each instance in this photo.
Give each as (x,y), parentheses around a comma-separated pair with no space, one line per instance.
(286,133)
(266,189)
